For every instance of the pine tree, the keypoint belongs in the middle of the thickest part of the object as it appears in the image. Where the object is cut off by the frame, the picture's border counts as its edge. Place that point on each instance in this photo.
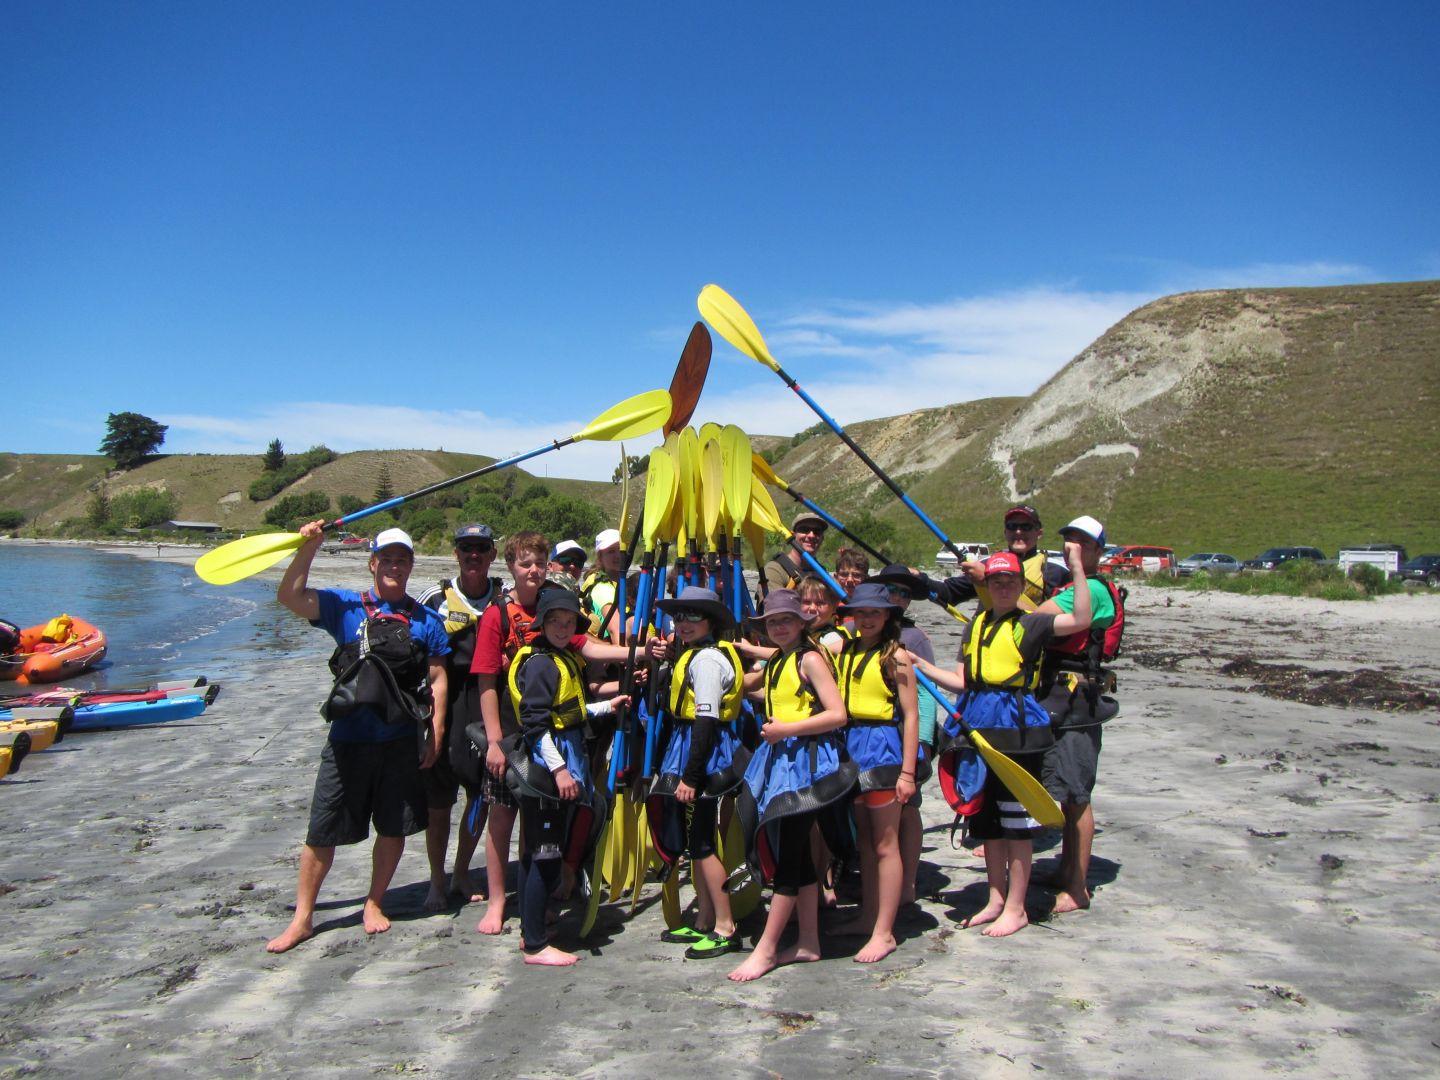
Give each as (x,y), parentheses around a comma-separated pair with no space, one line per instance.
(274,457)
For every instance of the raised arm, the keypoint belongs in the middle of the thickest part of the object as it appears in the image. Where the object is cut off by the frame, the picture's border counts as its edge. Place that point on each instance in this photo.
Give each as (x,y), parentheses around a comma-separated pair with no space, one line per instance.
(294,591)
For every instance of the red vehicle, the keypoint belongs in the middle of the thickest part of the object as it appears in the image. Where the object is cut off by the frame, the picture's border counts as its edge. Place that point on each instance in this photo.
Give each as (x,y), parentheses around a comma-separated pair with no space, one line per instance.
(1139,558)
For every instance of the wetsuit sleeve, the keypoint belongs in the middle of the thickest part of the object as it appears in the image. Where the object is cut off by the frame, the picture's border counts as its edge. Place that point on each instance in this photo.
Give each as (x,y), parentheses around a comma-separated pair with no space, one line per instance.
(955,590)
(489,651)
(710,677)
(1056,577)
(1039,632)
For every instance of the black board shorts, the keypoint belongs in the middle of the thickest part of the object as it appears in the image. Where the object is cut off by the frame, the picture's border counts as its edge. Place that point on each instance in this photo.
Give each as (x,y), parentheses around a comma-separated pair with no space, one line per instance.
(360,783)
(1002,816)
(1071,764)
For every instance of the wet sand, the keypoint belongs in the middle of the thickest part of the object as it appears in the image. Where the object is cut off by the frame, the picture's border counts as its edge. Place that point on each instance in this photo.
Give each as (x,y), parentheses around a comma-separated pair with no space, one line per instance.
(1265,874)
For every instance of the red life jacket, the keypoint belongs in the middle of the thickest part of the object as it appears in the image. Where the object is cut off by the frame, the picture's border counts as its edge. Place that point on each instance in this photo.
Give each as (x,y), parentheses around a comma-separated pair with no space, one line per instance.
(1098,645)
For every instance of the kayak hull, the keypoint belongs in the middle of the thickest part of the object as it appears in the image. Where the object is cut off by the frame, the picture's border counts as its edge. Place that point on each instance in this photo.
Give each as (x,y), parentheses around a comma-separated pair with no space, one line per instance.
(122,714)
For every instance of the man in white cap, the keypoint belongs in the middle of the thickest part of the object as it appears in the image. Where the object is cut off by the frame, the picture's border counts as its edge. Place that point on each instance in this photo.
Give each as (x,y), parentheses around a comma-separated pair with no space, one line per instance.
(370,767)
(1072,690)
(597,588)
(567,561)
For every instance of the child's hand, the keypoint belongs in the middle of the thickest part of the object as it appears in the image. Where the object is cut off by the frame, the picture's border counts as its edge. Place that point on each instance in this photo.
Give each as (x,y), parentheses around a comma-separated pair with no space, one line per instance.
(684,793)
(565,785)
(658,649)
(772,732)
(619,701)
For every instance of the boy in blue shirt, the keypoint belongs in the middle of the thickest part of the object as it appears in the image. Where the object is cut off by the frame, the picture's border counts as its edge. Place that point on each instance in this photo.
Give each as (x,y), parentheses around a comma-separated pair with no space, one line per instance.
(370,767)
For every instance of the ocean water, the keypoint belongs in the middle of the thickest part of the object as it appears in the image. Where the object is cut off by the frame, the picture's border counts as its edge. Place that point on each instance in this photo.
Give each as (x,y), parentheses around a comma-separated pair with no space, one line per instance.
(162,622)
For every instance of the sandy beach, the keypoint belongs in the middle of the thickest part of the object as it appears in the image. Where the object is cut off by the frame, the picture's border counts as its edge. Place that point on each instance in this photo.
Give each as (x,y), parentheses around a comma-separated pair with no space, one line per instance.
(1264,874)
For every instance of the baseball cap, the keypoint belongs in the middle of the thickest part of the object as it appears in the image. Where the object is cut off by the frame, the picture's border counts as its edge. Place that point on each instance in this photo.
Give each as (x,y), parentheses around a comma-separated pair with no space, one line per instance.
(474,531)
(1088,526)
(806,515)
(562,549)
(393,536)
(1002,562)
(1028,513)
(607,538)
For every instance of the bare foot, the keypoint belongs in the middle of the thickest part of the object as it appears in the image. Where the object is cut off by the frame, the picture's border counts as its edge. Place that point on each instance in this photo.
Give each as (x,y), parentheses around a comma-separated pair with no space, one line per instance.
(877,948)
(461,885)
(989,913)
(374,918)
(294,934)
(856,927)
(551,957)
(1007,925)
(978,853)
(1067,902)
(758,963)
(494,920)
(437,898)
(797,954)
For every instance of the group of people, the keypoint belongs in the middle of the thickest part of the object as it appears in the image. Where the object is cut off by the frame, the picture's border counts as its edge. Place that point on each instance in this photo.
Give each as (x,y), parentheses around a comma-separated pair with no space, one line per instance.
(807,729)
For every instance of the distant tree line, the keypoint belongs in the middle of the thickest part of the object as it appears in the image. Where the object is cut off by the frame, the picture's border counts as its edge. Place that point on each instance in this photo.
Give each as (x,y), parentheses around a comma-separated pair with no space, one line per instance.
(282,470)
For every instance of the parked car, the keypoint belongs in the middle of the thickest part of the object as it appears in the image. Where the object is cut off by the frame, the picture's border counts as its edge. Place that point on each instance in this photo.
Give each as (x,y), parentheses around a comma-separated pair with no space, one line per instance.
(1138,558)
(1210,562)
(1424,568)
(345,541)
(1275,557)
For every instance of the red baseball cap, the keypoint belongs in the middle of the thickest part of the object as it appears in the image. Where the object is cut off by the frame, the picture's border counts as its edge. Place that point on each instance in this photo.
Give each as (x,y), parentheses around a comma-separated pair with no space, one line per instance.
(1002,562)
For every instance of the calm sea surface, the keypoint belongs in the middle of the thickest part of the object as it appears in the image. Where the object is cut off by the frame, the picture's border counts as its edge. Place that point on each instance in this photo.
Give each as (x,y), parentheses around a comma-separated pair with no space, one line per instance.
(162,621)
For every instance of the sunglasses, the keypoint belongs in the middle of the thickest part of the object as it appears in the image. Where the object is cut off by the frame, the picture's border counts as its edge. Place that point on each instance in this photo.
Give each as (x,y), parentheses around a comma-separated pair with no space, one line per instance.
(1020,526)
(689,617)
(809,530)
(480,549)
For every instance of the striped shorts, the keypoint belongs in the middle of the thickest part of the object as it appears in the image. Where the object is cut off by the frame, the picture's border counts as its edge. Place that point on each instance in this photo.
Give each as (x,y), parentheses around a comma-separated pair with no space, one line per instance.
(1002,817)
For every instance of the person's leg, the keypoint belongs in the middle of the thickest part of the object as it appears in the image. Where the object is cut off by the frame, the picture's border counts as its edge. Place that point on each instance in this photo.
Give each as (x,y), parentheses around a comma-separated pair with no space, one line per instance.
(820,855)
(763,957)
(315,863)
(714,901)
(465,844)
(497,855)
(911,837)
(437,839)
(863,922)
(1079,836)
(1013,917)
(383,861)
(540,865)
(888,876)
(795,894)
(997,875)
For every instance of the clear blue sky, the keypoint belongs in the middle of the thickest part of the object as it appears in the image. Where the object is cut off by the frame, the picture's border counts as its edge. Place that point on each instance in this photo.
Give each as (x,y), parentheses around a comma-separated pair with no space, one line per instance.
(476,226)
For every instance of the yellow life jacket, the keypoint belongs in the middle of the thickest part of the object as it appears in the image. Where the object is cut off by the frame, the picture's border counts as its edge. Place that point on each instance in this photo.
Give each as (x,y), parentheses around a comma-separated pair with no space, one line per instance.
(788,697)
(682,690)
(568,708)
(59,630)
(867,694)
(1033,595)
(459,612)
(595,613)
(992,654)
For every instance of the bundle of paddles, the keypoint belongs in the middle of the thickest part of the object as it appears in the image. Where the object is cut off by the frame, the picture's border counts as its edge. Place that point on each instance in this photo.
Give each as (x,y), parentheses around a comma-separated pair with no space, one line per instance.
(663,715)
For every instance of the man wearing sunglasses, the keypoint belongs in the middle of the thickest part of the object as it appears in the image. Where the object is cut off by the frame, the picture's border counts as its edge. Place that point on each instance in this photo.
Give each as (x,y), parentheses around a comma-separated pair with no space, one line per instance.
(460,601)
(784,571)
(1042,578)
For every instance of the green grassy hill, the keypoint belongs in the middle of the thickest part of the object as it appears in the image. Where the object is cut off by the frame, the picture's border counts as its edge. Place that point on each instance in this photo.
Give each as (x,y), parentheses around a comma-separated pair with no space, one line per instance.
(1228,420)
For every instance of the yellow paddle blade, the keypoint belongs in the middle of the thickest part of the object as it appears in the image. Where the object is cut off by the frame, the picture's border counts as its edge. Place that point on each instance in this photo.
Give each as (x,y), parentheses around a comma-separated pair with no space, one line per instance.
(670,900)
(762,509)
(625,522)
(690,480)
(619,846)
(1031,793)
(732,854)
(712,493)
(767,475)
(730,320)
(755,537)
(709,431)
(597,863)
(659,495)
(735,449)
(631,418)
(241,558)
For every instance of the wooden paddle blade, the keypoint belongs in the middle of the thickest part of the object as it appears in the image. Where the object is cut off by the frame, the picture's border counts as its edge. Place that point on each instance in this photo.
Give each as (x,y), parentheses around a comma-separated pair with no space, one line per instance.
(246,557)
(1028,790)
(733,323)
(629,419)
(659,495)
(736,453)
(689,378)
(689,480)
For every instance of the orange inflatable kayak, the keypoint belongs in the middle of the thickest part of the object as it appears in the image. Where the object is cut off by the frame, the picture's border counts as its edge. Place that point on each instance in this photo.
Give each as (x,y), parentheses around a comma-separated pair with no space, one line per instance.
(55,650)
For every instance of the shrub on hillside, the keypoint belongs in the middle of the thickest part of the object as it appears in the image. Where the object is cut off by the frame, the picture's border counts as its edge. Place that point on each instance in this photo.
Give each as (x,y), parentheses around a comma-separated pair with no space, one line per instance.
(271,483)
(142,508)
(11,519)
(295,510)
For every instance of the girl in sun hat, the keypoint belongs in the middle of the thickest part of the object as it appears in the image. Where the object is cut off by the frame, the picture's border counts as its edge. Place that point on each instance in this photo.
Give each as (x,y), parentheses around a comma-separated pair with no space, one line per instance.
(702,763)
(877,685)
(999,672)
(799,769)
